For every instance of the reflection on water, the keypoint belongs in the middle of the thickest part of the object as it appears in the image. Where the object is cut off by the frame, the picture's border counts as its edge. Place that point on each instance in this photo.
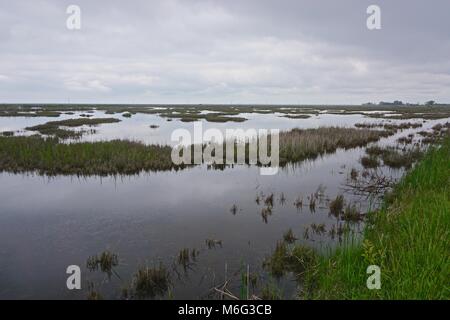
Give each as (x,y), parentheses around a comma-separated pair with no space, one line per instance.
(48,224)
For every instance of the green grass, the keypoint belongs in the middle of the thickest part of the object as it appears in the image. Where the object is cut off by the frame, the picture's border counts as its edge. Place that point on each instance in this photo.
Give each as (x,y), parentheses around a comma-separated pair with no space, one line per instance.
(409,238)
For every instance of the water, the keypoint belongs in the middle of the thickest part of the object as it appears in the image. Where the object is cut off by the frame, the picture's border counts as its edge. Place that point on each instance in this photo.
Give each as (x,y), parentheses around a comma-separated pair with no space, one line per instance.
(47,224)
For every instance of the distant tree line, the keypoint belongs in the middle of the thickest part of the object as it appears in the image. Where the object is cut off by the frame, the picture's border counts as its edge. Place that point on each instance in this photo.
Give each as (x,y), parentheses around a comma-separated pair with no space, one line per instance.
(400,103)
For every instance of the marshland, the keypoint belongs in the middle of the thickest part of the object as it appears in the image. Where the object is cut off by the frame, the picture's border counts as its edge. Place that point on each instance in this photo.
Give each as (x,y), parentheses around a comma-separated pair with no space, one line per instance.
(94,186)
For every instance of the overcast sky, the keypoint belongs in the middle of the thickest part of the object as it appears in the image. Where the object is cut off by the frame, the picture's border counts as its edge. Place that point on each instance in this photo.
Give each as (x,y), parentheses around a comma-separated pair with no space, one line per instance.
(246,51)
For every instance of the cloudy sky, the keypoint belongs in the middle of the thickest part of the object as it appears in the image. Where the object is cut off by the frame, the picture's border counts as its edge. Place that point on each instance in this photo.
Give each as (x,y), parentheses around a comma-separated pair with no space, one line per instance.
(246,51)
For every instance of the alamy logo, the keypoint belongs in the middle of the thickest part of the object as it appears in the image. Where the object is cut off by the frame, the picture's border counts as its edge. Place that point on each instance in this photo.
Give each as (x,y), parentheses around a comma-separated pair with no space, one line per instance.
(73,22)
(374,20)
(374,280)
(74,280)
(237,146)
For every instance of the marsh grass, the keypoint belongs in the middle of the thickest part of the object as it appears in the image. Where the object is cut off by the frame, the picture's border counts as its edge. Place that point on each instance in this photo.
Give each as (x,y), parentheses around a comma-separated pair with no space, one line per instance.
(354,174)
(401,159)
(390,126)
(48,156)
(93,294)
(299,144)
(149,282)
(271,292)
(392,157)
(370,162)
(105,262)
(297,116)
(298,203)
(53,128)
(337,205)
(282,199)
(213,243)
(187,257)
(266,213)
(269,200)
(285,258)
(192,116)
(30,114)
(312,204)
(289,237)
(319,228)
(351,213)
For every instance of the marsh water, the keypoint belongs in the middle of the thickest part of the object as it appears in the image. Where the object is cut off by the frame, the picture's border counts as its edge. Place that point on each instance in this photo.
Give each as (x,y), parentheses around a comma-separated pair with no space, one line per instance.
(49,223)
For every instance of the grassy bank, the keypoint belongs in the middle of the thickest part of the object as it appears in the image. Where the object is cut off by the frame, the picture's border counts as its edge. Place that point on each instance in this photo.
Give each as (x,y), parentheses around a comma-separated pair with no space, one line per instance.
(409,238)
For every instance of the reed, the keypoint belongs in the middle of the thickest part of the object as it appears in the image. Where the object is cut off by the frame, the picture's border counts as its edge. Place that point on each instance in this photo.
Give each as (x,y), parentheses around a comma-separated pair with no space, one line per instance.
(149,282)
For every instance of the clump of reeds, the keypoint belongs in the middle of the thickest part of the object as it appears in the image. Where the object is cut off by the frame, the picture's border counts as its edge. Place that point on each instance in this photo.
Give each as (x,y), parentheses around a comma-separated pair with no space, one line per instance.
(405,140)
(337,205)
(299,202)
(126,115)
(269,200)
(184,257)
(312,203)
(289,236)
(105,262)
(53,128)
(318,228)
(149,282)
(370,162)
(351,213)
(270,292)
(285,259)
(265,213)
(354,174)
(93,294)
(397,159)
(212,243)
(282,199)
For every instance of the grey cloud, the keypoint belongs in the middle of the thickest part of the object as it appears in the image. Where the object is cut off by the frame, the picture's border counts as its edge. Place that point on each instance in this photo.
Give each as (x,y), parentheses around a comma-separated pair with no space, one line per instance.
(224,51)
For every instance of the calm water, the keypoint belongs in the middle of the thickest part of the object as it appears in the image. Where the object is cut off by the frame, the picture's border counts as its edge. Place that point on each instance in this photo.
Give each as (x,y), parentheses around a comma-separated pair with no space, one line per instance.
(47,224)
